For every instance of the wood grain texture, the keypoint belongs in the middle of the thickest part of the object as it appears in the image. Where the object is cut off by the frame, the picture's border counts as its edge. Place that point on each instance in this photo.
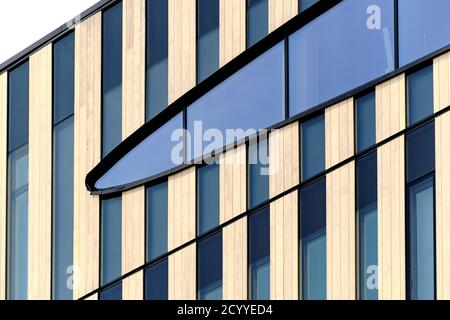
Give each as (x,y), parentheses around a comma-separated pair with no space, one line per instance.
(390,107)
(284,159)
(284,260)
(339,133)
(40,175)
(235,261)
(232,29)
(281,11)
(182,274)
(341,234)
(233,183)
(391,221)
(133,287)
(3,178)
(441,75)
(181,208)
(182,47)
(443,206)
(87,153)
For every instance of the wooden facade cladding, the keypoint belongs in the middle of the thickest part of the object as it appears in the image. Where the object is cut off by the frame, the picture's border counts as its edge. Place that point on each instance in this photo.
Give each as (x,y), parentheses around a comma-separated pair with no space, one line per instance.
(182,274)
(3,179)
(232,29)
(87,153)
(441,74)
(281,11)
(133,287)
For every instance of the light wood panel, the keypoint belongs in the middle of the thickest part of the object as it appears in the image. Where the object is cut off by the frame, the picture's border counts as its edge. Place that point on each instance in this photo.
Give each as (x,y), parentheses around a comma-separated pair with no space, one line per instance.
(182,274)
(284,260)
(390,107)
(341,239)
(232,29)
(133,117)
(391,220)
(94,297)
(87,153)
(235,261)
(182,47)
(133,287)
(181,208)
(233,183)
(281,11)
(443,206)
(40,175)
(339,133)
(3,178)
(441,75)
(284,159)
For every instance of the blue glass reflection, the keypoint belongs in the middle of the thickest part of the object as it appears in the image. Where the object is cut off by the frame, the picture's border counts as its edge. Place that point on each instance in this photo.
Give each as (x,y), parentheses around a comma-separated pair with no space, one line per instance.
(157,282)
(111,241)
(258,176)
(210,268)
(342,49)
(420,151)
(313,147)
(257,20)
(305,4)
(208,198)
(157,215)
(112,294)
(420,95)
(208,38)
(365,122)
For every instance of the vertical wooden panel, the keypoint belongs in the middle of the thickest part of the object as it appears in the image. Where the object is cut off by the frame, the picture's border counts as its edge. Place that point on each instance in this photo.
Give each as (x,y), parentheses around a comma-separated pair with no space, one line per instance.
(339,133)
(281,11)
(235,261)
(40,175)
(232,29)
(182,47)
(181,208)
(133,117)
(441,75)
(87,153)
(284,159)
(233,183)
(391,220)
(341,239)
(284,248)
(390,107)
(133,287)
(443,206)
(182,274)
(3,178)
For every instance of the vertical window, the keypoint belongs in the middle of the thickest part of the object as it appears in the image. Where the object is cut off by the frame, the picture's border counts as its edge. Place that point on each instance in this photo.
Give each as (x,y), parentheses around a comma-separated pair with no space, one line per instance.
(313,241)
(63,165)
(313,147)
(420,95)
(366,195)
(365,122)
(208,198)
(207,38)
(258,174)
(421,213)
(257,20)
(157,57)
(157,214)
(259,255)
(210,268)
(157,282)
(18,111)
(112,293)
(305,4)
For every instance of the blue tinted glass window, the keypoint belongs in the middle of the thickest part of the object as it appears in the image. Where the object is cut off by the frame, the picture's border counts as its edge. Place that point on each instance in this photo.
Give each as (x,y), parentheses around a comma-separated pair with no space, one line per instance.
(305,4)
(421,240)
(63,77)
(313,147)
(258,172)
(257,20)
(208,197)
(157,53)
(112,293)
(259,255)
(429,32)
(157,282)
(342,49)
(365,122)
(313,241)
(157,214)
(210,268)
(112,79)
(420,152)
(111,239)
(366,193)
(420,95)
(207,38)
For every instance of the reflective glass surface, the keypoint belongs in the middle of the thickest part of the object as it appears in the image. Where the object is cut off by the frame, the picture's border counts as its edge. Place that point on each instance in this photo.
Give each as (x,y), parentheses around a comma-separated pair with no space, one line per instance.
(208,197)
(210,268)
(257,20)
(313,147)
(112,293)
(420,151)
(157,281)
(258,172)
(365,122)
(207,38)
(157,215)
(420,95)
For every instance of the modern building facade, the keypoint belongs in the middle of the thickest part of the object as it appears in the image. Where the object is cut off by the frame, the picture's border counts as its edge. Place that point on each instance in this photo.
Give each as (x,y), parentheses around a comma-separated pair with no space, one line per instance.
(230,149)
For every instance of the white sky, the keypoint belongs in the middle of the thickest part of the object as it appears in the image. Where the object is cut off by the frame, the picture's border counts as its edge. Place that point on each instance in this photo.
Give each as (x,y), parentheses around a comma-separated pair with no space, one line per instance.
(23,22)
